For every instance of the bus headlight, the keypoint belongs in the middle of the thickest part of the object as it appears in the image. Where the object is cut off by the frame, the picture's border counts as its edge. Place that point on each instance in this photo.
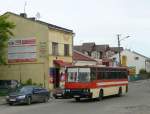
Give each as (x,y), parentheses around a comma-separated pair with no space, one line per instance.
(86,90)
(67,90)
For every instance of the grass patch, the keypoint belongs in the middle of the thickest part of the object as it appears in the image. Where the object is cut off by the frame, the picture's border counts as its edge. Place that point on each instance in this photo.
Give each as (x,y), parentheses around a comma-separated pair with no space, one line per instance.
(4,91)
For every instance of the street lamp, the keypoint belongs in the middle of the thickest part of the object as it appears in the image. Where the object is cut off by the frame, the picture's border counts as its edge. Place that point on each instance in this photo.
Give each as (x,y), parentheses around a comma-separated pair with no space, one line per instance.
(118,36)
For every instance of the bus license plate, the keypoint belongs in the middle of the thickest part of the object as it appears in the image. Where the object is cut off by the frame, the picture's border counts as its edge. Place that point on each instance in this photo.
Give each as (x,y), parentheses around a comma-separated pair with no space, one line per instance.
(76,96)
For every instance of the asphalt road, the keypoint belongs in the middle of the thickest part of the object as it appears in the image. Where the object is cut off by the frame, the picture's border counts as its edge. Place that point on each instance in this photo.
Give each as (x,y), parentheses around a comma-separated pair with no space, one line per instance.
(137,101)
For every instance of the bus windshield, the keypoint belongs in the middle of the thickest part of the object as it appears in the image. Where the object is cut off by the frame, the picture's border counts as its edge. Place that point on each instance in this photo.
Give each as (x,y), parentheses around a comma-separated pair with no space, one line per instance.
(78,74)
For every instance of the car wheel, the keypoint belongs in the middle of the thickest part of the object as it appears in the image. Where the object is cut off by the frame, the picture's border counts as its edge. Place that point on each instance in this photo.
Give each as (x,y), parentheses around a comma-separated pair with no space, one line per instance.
(11,104)
(28,100)
(46,99)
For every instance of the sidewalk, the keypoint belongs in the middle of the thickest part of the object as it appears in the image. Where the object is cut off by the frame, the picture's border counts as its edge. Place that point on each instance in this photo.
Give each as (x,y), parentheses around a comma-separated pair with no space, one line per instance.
(2,100)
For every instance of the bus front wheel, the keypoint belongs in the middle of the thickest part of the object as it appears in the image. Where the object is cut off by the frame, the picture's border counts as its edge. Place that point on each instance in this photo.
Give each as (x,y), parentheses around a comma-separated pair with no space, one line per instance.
(77,99)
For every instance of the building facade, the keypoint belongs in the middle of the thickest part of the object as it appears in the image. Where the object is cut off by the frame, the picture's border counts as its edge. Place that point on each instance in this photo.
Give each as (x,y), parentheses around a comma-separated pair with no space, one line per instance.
(133,60)
(35,52)
(98,52)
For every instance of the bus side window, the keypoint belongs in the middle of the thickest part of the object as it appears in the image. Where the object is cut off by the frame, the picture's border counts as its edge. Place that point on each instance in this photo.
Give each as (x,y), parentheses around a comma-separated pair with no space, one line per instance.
(100,75)
(93,75)
(124,74)
(105,74)
(113,75)
(109,75)
(116,75)
(119,75)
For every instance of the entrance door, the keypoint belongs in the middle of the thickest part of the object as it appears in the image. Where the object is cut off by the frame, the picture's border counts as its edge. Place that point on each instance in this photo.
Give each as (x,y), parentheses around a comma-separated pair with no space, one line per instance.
(54,72)
(57,78)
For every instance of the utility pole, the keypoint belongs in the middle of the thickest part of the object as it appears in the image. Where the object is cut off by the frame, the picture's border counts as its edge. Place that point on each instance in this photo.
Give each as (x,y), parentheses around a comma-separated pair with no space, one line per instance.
(118,36)
(119,51)
(25,6)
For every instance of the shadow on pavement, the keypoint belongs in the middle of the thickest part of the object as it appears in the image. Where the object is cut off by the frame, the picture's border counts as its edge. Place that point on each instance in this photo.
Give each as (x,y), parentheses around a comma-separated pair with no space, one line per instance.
(94,100)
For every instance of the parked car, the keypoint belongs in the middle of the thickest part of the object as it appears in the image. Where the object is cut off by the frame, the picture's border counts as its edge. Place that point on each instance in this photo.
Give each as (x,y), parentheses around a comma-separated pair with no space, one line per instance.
(59,93)
(28,95)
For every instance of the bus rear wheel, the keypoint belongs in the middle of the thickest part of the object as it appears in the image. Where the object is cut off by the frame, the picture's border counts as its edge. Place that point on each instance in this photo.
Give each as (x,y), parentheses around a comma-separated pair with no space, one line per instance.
(100,95)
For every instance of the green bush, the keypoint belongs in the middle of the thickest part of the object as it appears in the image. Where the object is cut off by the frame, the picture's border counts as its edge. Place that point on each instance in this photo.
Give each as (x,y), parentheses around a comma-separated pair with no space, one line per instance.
(148,74)
(4,92)
(29,82)
(40,85)
(34,83)
(143,71)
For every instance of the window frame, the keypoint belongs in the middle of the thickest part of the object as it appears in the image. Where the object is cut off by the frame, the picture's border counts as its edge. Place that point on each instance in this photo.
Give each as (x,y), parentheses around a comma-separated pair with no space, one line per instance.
(66,49)
(55,48)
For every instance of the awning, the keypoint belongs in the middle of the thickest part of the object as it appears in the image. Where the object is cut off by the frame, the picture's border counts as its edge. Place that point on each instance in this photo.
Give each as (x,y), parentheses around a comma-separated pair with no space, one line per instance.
(61,63)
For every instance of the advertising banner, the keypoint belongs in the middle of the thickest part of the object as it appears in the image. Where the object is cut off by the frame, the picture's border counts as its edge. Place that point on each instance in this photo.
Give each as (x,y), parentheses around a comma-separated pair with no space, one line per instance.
(22,50)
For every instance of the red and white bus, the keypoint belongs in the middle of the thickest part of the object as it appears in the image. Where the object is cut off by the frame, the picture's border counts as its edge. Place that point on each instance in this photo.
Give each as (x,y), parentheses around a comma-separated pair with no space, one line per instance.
(95,81)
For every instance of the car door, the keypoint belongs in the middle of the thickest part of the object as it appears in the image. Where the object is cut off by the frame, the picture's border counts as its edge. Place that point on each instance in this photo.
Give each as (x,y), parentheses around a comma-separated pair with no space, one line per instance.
(36,95)
(41,94)
(44,93)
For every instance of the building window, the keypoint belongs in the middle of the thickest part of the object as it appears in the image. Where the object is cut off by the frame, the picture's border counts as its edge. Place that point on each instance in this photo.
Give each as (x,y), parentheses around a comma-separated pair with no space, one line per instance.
(101,55)
(136,58)
(66,49)
(54,48)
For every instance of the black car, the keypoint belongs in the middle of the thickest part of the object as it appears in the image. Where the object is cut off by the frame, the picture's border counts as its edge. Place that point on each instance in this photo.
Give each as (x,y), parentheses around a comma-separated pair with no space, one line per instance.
(28,94)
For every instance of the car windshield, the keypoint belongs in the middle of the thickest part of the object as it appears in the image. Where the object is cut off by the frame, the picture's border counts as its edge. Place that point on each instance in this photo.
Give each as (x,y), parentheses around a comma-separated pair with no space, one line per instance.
(25,90)
(79,75)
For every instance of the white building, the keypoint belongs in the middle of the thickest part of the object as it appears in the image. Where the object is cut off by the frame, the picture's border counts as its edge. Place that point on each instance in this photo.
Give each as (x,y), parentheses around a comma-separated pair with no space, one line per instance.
(133,59)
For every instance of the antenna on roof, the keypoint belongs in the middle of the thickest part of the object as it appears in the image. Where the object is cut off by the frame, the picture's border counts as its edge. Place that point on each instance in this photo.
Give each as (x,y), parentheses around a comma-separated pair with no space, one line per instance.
(25,4)
(38,16)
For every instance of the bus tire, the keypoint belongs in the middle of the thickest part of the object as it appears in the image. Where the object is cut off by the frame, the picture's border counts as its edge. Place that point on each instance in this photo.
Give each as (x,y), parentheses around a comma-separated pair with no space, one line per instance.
(126,88)
(120,92)
(100,95)
(77,99)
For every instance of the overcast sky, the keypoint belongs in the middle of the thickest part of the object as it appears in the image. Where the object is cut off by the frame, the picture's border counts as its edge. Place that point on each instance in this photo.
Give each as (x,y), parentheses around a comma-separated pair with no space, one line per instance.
(96,21)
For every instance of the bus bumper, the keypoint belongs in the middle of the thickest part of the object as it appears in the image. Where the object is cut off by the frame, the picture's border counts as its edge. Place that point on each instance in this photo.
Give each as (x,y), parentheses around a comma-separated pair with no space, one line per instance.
(83,95)
(79,94)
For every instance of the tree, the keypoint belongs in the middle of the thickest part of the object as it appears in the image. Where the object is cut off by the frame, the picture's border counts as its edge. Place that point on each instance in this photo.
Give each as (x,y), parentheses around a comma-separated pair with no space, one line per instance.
(5,34)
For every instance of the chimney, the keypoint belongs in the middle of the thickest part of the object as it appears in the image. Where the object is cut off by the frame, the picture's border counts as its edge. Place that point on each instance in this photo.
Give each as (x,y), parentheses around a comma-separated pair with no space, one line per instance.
(23,15)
